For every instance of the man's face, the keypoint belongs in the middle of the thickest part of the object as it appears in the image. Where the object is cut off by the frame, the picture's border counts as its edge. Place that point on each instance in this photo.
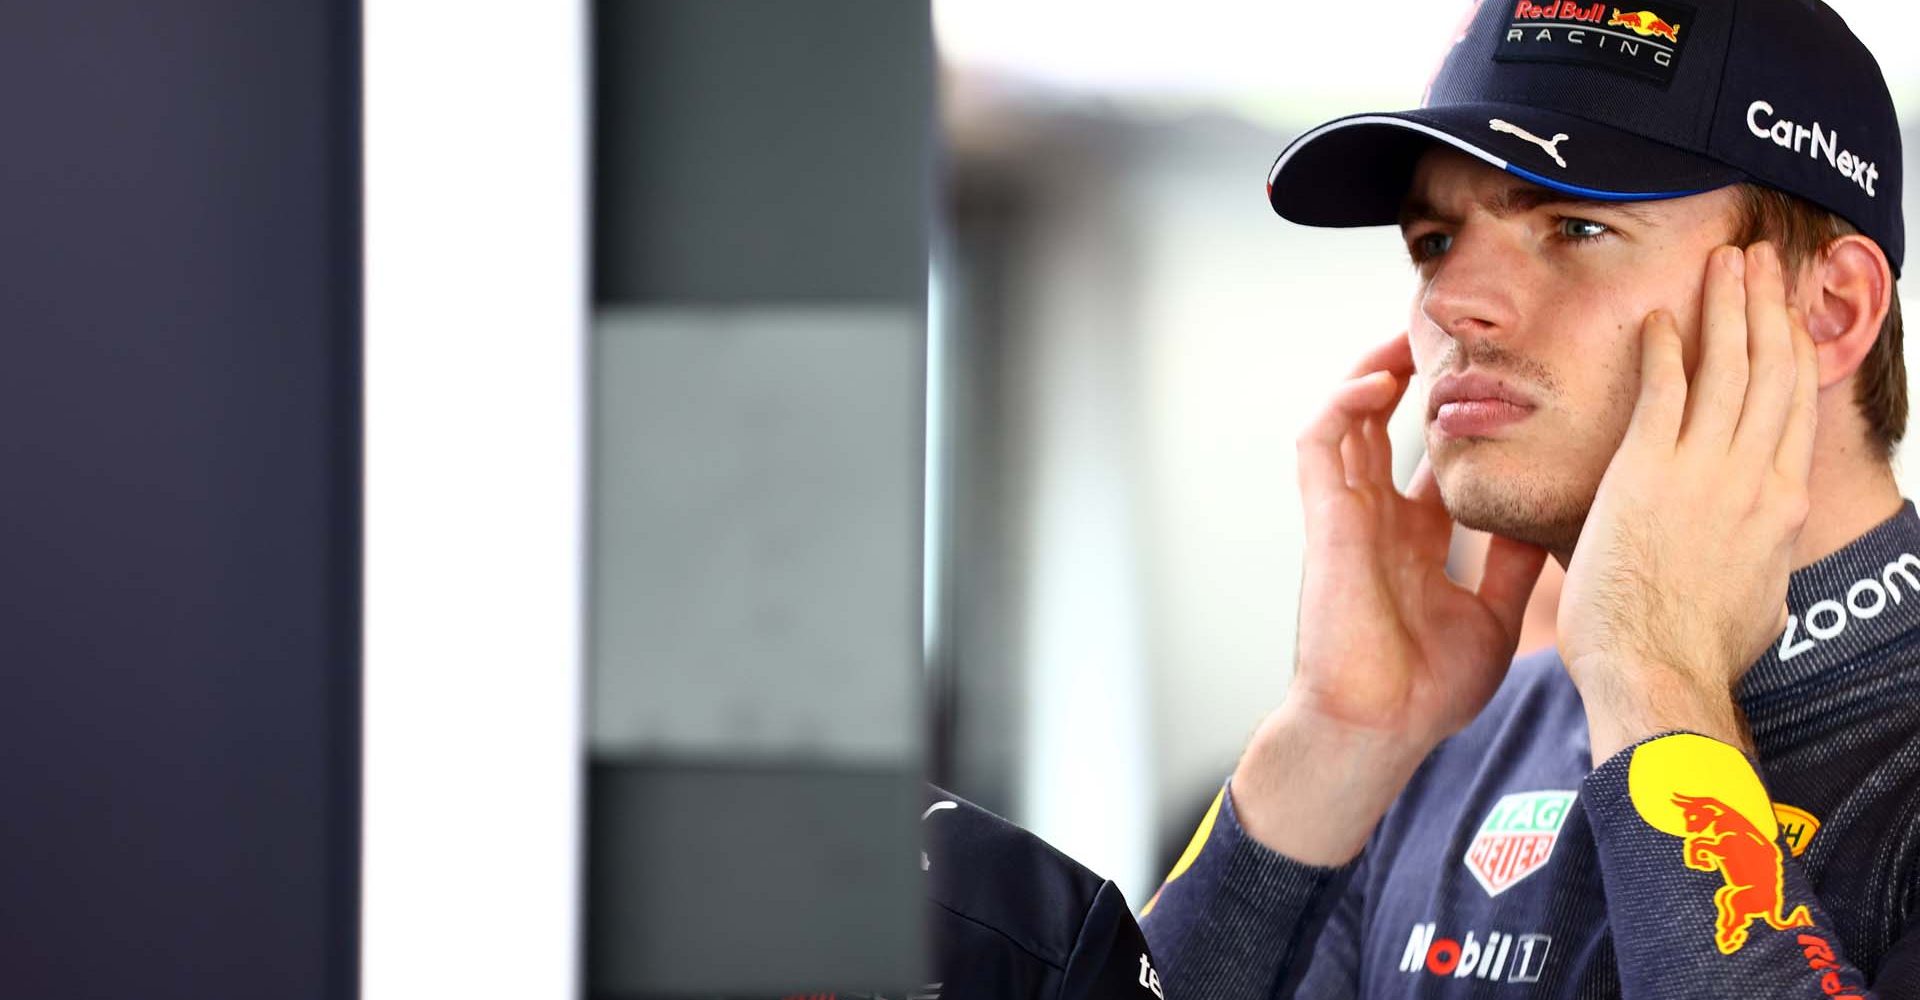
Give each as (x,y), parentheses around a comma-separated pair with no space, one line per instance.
(1537,297)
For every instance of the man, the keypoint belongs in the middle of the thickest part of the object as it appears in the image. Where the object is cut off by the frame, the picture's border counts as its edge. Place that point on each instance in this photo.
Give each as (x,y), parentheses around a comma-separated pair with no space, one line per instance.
(1712,787)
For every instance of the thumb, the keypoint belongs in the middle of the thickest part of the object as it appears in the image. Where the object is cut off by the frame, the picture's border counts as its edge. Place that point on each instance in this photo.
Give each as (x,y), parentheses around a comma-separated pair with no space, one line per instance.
(1506,582)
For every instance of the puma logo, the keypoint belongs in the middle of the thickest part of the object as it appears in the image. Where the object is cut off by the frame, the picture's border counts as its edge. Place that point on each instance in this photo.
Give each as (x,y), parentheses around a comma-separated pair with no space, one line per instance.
(1503,126)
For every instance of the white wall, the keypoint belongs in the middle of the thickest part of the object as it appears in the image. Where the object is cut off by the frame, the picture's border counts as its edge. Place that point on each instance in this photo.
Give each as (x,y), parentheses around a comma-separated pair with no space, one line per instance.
(475,175)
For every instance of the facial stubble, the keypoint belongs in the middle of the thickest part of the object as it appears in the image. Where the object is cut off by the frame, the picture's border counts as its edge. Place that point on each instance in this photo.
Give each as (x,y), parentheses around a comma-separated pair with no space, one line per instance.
(1537,486)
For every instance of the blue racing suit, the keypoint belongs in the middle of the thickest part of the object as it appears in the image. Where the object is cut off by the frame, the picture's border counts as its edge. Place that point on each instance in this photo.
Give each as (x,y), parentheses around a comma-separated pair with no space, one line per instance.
(1510,866)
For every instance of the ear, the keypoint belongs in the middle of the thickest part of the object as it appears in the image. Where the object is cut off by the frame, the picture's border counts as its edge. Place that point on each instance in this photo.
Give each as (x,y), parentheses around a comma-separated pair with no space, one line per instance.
(1845,294)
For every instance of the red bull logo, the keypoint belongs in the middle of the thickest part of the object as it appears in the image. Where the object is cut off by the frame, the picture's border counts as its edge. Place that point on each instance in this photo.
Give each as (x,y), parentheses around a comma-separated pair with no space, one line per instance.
(1721,840)
(1561,10)
(1705,793)
(1644,23)
(1642,43)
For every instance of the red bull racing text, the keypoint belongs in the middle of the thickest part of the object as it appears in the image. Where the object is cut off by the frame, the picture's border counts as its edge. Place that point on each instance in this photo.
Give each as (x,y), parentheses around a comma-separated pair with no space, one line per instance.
(1643,42)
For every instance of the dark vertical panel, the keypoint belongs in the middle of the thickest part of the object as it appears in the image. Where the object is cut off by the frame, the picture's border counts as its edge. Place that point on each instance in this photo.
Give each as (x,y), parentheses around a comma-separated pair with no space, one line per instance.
(777,156)
(761,151)
(179,526)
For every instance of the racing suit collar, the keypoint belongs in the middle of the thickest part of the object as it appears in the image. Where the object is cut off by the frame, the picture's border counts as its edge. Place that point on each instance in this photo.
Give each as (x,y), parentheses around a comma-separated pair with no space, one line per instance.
(1843,607)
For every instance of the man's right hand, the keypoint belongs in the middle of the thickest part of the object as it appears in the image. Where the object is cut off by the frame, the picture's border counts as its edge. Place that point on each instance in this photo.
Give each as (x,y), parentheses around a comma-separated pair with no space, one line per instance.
(1392,655)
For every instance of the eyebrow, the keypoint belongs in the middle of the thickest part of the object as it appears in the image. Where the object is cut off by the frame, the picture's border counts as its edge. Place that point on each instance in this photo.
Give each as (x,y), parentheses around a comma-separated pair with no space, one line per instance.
(1522,198)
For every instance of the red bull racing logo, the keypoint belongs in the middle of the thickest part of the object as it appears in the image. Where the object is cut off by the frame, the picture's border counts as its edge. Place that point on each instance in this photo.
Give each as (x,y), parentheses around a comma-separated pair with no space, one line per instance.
(1721,840)
(1705,793)
(1589,13)
(1644,43)
(1644,23)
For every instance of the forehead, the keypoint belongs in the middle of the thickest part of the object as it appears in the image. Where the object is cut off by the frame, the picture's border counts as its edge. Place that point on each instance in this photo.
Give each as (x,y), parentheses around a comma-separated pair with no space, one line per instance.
(1447,183)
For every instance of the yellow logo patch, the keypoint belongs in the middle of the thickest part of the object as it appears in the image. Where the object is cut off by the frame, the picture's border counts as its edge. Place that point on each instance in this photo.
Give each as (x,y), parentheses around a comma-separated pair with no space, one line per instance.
(1705,793)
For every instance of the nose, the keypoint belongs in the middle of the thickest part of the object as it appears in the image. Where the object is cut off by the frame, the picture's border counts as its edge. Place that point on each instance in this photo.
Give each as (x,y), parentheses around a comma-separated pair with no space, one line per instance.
(1473,289)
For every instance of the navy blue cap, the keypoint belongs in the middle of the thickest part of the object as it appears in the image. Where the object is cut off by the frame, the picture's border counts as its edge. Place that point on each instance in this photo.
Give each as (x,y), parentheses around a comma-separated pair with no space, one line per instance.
(1658,100)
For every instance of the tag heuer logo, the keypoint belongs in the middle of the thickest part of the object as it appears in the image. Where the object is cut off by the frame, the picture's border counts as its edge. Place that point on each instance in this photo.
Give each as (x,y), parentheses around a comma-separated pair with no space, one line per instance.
(1517,838)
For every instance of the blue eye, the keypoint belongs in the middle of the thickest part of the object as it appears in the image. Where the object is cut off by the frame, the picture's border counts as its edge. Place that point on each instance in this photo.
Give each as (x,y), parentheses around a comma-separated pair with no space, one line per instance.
(1569,226)
(1422,248)
(1571,229)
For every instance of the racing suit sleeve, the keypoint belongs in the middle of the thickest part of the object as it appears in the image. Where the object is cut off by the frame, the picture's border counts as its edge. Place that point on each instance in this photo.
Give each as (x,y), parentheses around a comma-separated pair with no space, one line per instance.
(1703,897)
(1235,919)
(1334,973)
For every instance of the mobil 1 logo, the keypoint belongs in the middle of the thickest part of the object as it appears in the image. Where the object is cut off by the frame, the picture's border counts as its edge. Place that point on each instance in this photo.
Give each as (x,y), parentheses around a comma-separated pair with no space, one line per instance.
(1496,956)
(1643,41)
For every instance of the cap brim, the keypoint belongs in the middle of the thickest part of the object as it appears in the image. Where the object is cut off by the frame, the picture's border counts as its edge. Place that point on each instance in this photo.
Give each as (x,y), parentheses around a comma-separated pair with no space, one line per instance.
(1354,171)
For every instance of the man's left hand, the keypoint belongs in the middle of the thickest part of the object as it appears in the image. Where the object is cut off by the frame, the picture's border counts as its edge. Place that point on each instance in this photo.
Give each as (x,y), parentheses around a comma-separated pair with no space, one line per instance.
(1679,579)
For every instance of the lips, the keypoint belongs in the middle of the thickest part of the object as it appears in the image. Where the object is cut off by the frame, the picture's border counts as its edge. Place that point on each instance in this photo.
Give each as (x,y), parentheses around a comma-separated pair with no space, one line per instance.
(1476,404)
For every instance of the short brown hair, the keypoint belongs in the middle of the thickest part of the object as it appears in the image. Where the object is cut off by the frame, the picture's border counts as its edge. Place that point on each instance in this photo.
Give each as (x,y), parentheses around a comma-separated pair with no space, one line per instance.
(1802,230)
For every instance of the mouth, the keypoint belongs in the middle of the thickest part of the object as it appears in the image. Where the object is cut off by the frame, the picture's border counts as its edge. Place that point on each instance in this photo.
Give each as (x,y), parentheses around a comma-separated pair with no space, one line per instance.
(1476,405)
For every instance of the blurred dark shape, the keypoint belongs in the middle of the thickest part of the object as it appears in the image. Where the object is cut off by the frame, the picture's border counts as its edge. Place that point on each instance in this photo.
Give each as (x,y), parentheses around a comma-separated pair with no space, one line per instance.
(180,584)
(1013,918)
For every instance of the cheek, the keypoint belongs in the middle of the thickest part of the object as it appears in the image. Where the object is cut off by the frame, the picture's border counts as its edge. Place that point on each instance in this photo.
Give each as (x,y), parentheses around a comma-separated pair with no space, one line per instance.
(1626,328)
(1685,306)
(1617,365)
(1603,373)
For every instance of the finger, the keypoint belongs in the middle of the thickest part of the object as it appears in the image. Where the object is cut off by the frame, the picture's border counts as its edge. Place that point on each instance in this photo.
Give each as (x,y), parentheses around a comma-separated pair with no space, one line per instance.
(1423,487)
(1402,380)
(1322,465)
(1511,569)
(1720,385)
(1794,458)
(1395,357)
(1663,385)
(1395,354)
(1353,455)
(1770,360)
(1379,453)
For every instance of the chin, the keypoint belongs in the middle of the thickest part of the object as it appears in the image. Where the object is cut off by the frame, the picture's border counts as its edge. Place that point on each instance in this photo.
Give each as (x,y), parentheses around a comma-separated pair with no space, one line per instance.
(1519,497)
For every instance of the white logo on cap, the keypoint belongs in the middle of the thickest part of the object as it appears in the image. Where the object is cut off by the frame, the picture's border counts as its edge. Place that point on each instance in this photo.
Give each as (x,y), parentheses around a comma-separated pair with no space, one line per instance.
(1789,135)
(1500,126)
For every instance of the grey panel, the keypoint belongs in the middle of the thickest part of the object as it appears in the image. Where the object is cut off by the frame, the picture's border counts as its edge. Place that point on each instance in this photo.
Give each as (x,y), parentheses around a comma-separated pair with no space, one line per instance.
(761,150)
(756,529)
(756,881)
